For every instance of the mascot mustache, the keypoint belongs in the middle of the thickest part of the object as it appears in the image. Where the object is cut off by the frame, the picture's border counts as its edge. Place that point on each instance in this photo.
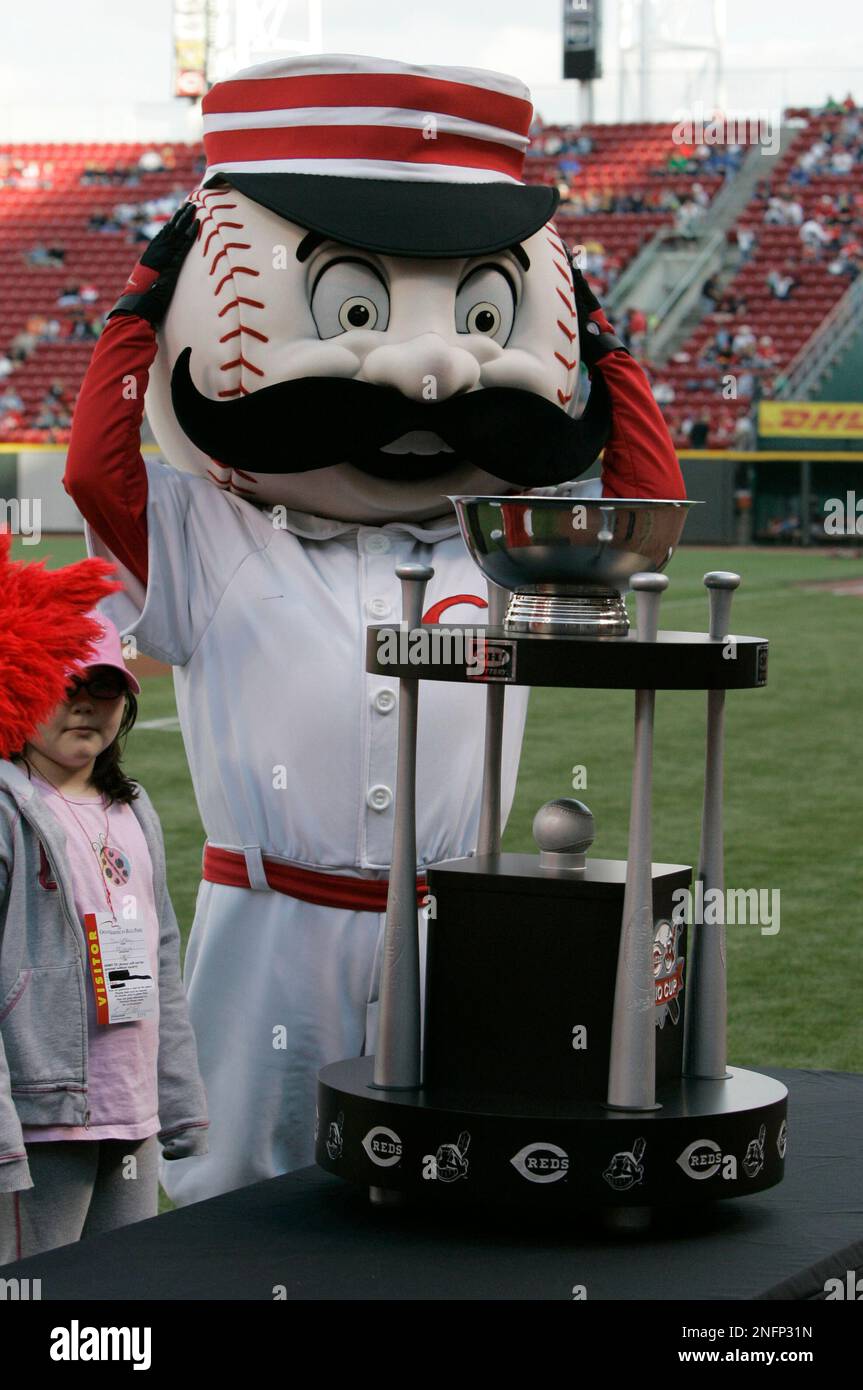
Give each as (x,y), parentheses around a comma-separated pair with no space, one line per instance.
(315,422)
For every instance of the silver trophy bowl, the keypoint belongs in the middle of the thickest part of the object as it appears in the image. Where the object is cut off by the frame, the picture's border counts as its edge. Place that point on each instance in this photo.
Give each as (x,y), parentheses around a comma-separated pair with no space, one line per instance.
(568,560)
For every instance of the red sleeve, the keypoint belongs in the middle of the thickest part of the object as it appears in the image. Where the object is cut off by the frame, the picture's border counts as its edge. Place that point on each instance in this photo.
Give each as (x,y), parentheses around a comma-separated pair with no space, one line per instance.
(105,473)
(639,458)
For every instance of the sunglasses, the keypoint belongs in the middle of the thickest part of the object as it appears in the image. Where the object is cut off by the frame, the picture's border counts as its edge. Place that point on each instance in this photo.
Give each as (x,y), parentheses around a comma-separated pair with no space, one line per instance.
(106,685)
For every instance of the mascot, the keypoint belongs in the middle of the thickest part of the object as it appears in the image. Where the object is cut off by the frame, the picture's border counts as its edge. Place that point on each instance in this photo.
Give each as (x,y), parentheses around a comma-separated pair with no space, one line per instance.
(362,309)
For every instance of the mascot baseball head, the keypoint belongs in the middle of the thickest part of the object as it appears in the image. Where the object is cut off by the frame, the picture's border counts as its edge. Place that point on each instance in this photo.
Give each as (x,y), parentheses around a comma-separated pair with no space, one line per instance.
(377,310)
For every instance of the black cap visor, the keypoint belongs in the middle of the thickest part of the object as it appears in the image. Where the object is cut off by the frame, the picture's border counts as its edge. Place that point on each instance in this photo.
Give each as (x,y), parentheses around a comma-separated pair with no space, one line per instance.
(398,217)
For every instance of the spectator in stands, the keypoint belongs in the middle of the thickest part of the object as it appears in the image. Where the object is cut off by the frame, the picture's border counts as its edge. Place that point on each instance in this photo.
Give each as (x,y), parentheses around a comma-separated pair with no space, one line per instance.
(69,297)
(663,393)
(682,162)
(699,432)
(744,342)
(723,430)
(51,416)
(710,294)
(7,366)
(56,394)
(848,261)
(746,241)
(151,162)
(101,222)
(88,294)
(23,345)
(732,303)
(11,421)
(40,255)
(842,162)
(687,218)
(634,330)
(779,285)
(814,233)
(746,385)
(10,398)
(93,173)
(744,432)
(594,259)
(81,329)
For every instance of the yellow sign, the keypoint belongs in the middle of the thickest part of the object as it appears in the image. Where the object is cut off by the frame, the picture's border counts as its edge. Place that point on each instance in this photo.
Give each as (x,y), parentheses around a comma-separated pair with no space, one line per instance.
(811,419)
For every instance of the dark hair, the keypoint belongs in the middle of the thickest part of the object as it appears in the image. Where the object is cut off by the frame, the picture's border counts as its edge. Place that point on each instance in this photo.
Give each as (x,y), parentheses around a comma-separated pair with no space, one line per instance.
(108,776)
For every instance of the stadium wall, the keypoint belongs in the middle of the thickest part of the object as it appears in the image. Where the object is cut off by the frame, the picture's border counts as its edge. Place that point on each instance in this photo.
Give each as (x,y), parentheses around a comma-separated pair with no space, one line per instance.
(741,491)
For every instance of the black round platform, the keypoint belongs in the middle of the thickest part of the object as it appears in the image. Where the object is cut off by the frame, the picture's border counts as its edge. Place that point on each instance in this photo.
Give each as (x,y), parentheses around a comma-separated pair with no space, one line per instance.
(479,655)
(708,1140)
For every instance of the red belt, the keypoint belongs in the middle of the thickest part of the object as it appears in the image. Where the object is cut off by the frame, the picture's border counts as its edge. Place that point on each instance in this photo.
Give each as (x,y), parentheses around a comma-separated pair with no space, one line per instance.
(228,866)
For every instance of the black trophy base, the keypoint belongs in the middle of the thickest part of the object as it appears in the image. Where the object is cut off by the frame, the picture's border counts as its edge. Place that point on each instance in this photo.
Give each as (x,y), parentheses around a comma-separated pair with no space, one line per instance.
(706,1140)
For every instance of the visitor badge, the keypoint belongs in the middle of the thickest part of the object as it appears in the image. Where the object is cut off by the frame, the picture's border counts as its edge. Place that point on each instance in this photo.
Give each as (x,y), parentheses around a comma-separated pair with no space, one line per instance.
(120,969)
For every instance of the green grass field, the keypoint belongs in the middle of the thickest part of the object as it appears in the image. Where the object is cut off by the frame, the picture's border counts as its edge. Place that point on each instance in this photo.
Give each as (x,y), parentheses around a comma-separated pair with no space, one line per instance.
(793,798)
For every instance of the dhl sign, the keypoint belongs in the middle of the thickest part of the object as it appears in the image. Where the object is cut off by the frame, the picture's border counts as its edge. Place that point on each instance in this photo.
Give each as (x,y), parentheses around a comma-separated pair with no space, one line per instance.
(811,419)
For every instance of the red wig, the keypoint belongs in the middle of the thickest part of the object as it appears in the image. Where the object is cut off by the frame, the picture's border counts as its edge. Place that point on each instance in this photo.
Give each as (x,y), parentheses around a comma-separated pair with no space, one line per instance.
(45,634)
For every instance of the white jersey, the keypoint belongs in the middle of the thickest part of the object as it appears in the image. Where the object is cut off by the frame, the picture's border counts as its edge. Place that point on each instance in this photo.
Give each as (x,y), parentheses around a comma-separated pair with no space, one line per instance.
(292,750)
(291,744)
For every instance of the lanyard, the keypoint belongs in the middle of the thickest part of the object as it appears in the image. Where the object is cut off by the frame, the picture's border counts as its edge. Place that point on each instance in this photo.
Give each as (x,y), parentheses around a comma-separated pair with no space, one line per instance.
(86,833)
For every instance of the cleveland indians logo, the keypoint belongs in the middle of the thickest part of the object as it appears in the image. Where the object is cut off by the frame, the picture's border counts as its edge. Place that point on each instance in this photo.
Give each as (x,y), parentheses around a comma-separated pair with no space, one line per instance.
(626,1167)
(335,1137)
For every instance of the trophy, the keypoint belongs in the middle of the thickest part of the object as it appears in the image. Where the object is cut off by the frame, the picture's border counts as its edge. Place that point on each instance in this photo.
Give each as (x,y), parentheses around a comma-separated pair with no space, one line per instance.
(574,1046)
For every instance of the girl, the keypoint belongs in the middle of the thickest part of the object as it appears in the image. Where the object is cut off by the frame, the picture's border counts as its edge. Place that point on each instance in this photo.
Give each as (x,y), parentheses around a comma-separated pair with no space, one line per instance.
(98,1066)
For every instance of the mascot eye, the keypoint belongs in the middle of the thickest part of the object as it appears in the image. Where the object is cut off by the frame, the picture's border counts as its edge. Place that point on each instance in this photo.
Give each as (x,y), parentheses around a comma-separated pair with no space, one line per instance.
(347,294)
(485,304)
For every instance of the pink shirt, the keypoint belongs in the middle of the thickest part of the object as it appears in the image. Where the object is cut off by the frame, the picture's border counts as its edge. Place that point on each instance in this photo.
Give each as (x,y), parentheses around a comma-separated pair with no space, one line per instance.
(122,1057)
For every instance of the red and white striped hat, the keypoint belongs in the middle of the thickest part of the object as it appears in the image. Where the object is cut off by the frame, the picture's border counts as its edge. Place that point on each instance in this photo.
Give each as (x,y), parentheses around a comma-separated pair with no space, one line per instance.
(393,157)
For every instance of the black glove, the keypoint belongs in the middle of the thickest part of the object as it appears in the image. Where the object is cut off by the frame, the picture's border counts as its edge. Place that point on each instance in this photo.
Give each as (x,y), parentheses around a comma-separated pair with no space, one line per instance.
(595,334)
(149,288)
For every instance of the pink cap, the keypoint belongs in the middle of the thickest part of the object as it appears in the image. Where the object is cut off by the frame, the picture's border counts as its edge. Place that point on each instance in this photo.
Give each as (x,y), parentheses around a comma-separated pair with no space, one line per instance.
(108,651)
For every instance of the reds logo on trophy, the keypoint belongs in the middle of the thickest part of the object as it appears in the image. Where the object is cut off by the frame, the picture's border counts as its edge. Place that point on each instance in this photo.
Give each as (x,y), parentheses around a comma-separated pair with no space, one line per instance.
(704,1157)
(383,1146)
(541,1162)
(782,1139)
(667,971)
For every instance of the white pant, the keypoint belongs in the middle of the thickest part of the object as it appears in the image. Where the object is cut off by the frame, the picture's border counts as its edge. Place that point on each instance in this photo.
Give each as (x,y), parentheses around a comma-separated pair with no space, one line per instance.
(277,989)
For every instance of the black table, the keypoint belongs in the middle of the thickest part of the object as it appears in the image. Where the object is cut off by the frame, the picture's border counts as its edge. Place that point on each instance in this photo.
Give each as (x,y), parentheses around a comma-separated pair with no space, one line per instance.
(321,1239)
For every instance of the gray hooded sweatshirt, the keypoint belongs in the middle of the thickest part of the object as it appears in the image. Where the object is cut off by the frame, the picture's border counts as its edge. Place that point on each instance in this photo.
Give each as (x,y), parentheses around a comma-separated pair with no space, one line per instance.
(43,983)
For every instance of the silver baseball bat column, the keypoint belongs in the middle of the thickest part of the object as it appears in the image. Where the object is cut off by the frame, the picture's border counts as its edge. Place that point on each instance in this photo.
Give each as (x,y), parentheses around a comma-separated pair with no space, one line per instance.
(488,840)
(397,1057)
(705,1037)
(632,1065)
